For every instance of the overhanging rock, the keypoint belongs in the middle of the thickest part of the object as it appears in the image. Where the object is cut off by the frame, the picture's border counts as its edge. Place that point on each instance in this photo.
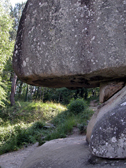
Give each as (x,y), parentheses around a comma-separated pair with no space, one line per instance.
(71,43)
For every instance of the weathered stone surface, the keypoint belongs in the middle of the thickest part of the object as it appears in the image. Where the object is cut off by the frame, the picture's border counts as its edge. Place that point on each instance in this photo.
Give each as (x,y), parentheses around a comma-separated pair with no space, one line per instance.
(67,153)
(60,153)
(90,126)
(103,109)
(108,136)
(108,89)
(71,43)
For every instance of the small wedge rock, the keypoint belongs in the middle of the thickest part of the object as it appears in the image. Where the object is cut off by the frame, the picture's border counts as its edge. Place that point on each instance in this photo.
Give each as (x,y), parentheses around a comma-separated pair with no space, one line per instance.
(108,89)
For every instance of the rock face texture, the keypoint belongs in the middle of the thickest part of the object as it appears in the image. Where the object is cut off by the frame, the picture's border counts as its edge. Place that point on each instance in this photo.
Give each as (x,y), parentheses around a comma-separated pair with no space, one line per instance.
(107,137)
(67,153)
(71,43)
(103,109)
(60,153)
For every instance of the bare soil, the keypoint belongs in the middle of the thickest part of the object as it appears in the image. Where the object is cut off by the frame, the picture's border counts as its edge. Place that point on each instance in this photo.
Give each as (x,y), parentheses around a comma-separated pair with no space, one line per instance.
(15,159)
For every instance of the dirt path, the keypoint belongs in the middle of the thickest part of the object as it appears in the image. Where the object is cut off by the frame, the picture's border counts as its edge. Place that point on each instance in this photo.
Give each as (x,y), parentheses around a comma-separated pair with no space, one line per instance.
(15,159)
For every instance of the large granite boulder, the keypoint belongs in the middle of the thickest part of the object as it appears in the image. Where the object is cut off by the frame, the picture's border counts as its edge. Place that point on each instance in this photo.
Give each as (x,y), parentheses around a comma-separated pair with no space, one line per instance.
(103,109)
(71,43)
(108,135)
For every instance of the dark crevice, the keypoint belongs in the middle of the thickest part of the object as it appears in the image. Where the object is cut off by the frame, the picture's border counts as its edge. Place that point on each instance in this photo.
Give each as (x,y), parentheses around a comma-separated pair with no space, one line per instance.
(86,2)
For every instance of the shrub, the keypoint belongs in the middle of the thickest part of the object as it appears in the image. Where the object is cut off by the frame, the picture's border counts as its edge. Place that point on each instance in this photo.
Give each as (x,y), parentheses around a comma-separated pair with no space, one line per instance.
(62,129)
(82,127)
(76,106)
(38,125)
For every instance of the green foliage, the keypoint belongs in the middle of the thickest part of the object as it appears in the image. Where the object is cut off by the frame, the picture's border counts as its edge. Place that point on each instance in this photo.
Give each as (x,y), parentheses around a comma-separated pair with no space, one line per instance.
(2,94)
(25,123)
(18,135)
(28,112)
(93,94)
(16,13)
(76,106)
(61,95)
(38,125)
(9,20)
(6,45)
(62,129)
(14,137)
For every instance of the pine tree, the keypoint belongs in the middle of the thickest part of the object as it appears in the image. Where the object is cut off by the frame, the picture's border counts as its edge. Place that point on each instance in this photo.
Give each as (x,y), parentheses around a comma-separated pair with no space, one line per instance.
(6,45)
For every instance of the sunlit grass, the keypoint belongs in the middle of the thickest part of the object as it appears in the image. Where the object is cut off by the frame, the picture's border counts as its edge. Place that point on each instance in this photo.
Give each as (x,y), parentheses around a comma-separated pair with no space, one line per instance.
(28,112)
(25,123)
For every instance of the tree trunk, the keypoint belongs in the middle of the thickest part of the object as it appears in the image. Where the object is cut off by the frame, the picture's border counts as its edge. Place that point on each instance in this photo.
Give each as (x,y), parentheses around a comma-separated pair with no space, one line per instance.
(31,92)
(44,89)
(37,94)
(13,88)
(26,95)
(82,92)
(20,89)
(86,94)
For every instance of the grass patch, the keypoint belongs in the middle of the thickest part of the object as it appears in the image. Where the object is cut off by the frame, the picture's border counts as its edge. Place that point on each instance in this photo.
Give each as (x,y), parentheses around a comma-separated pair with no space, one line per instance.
(27,112)
(62,129)
(27,123)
